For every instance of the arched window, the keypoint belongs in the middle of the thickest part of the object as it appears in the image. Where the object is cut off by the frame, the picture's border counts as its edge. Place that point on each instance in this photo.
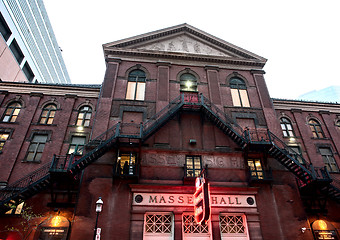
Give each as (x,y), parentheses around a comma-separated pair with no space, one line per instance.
(136,85)
(48,114)
(287,128)
(12,112)
(239,92)
(188,82)
(84,116)
(316,129)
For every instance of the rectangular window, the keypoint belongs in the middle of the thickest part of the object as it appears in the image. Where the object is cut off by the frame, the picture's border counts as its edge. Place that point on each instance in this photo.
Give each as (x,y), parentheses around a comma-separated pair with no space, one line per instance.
(135,91)
(295,152)
(240,97)
(4,29)
(126,164)
(36,148)
(19,56)
(3,139)
(255,168)
(15,209)
(193,231)
(193,166)
(28,72)
(233,227)
(328,159)
(158,226)
(77,145)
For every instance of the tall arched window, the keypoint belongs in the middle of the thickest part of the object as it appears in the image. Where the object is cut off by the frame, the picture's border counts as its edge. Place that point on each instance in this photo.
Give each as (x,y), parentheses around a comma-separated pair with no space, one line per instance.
(48,114)
(239,92)
(287,128)
(188,82)
(12,112)
(84,116)
(316,129)
(136,85)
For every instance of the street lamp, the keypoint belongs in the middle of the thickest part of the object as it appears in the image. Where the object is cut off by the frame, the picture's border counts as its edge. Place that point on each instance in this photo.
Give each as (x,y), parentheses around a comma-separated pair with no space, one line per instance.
(99,207)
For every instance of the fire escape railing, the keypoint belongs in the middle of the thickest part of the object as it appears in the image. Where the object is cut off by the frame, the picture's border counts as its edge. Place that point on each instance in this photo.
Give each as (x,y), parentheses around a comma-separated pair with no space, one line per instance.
(74,163)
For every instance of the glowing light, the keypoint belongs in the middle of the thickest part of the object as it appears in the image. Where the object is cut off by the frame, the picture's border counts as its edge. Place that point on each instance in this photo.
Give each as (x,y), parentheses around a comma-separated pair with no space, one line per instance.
(56,221)
(322,224)
(292,139)
(188,84)
(80,128)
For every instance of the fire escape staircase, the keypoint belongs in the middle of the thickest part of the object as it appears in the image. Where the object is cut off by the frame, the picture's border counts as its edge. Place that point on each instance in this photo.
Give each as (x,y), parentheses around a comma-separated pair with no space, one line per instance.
(73,164)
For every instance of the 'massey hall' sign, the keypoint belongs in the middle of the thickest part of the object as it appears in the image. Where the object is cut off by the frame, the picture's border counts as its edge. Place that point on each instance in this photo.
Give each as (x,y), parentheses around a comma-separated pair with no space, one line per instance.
(152,199)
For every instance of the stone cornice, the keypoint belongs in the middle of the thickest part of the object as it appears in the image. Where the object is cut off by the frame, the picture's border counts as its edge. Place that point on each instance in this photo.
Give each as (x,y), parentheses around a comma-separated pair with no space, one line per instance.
(182,56)
(280,104)
(46,89)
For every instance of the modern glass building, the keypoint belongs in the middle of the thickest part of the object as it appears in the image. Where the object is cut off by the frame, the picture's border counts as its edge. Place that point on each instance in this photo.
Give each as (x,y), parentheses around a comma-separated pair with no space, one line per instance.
(329,94)
(27,32)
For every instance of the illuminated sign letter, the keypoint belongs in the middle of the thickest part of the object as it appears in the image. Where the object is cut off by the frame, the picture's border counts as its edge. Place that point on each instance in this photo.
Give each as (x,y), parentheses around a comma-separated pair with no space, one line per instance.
(202,201)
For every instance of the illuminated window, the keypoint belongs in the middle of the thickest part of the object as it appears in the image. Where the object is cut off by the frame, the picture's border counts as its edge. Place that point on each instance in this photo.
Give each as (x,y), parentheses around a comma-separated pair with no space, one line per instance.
(48,114)
(286,127)
(3,139)
(158,226)
(126,164)
(188,82)
(36,148)
(255,168)
(239,93)
(12,112)
(84,116)
(77,145)
(15,209)
(193,166)
(136,85)
(328,159)
(192,230)
(316,129)
(233,227)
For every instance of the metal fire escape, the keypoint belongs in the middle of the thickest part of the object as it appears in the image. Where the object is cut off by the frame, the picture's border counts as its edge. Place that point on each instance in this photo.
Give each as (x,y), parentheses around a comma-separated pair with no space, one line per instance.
(72,165)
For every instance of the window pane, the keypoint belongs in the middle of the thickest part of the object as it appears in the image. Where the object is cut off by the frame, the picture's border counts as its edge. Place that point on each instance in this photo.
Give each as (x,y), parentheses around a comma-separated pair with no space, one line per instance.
(14,118)
(6,119)
(30,156)
(130,92)
(50,121)
(140,91)
(40,138)
(235,97)
(244,97)
(78,140)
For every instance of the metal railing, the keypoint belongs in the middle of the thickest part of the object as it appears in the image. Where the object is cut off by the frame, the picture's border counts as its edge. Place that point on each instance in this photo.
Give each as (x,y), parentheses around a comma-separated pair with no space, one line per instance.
(24,182)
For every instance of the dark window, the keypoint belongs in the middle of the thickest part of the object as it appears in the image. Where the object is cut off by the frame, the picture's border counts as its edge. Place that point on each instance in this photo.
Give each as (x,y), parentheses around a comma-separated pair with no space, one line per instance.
(36,148)
(48,114)
(28,72)
(4,29)
(328,159)
(295,151)
(12,112)
(136,85)
(84,116)
(316,129)
(286,127)
(239,92)
(126,164)
(255,168)
(77,145)
(188,82)
(3,139)
(193,166)
(19,56)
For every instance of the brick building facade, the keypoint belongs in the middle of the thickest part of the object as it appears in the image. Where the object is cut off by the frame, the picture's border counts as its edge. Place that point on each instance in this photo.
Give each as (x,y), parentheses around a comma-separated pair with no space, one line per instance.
(175,104)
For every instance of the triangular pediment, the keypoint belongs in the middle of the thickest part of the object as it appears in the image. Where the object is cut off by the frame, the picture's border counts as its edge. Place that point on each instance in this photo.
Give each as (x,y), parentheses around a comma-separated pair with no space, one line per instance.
(185,43)
(182,40)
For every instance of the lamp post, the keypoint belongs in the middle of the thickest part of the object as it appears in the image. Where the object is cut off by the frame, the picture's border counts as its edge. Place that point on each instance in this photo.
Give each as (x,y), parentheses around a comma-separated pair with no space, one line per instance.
(99,206)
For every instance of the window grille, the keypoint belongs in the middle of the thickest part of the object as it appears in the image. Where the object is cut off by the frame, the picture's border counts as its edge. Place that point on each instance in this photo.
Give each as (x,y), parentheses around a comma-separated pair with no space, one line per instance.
(190,225)
(158,223)
(232,224)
